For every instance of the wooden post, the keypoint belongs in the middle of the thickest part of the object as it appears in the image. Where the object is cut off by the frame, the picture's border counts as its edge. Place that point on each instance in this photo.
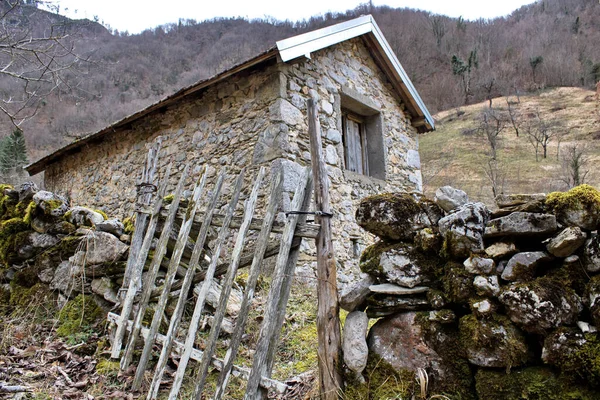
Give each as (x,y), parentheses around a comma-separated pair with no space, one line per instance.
(328,321)
(145,196)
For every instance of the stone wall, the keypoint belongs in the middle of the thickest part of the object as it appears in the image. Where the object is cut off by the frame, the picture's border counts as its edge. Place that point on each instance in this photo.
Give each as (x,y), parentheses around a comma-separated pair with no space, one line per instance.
(254,118)
(490,305)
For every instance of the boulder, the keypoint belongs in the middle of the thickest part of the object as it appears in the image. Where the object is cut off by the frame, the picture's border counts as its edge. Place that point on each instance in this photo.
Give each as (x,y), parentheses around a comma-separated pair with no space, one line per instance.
(83,216)
(354,295)
(99,248)
(397,216)
(522,224)
(354,341)
(561,344)
(486,285)
(381,305)
(105,287)
(449,198)
(389,288)
(409,341)
(462,231)
(35,243)
(591,254)
(500,250)
(592,299)
(399,263)
(510,200)
(67,278)
(566,242)
(541,305)
(26,191)
(522,266)
(51,204)
(479,265)
(575,354)
(458,283)
(579,206)
(113,226)
(45,224)
(492,342)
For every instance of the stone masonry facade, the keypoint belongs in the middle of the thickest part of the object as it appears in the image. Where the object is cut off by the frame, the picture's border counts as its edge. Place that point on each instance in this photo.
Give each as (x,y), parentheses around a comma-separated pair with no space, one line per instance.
(258,117)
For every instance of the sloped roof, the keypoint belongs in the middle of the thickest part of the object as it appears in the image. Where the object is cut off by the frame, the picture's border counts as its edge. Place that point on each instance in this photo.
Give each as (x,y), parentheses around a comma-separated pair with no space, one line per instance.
(287,49)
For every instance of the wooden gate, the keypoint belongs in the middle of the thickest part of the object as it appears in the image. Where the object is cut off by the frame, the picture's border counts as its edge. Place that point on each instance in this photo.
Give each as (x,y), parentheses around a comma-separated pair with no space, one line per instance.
(198,213)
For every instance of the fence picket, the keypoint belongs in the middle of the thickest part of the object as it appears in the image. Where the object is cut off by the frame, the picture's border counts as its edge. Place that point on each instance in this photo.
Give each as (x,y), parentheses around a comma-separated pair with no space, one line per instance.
(261,247)
(259,365)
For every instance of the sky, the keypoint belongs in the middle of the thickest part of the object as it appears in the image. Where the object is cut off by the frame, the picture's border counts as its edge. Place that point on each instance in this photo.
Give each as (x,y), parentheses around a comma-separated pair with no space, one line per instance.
(136,15)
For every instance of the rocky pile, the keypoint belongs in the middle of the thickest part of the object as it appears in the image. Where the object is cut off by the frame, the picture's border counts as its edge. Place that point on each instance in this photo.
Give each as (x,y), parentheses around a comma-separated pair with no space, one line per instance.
(490,304)
(50,249)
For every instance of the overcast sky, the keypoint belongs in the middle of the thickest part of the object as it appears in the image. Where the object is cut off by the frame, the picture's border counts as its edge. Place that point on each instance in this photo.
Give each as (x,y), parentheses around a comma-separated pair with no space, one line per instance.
(137,15)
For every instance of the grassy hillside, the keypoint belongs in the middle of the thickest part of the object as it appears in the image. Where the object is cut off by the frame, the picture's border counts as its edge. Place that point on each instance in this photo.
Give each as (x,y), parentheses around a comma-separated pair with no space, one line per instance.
(457,153)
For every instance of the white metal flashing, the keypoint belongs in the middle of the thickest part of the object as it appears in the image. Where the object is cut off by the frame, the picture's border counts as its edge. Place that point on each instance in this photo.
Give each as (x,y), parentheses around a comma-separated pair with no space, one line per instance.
(305,44)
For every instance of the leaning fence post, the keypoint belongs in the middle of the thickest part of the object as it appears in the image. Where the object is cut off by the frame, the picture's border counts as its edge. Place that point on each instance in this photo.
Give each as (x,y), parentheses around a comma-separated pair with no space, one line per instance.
(328,322)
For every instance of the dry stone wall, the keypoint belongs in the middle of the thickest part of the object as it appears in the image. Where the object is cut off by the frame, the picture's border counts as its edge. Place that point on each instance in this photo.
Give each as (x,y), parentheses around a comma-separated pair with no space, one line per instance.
(500,304)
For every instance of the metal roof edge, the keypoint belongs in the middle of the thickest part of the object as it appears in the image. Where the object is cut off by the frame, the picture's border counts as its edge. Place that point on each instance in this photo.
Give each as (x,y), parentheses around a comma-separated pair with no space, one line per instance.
(306,43)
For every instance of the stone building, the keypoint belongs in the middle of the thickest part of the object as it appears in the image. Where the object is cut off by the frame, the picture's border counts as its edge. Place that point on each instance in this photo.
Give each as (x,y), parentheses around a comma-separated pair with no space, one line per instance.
(255,114)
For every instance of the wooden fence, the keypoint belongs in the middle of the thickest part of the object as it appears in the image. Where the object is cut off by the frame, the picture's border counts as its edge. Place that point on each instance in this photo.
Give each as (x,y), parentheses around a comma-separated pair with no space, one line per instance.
(194,263)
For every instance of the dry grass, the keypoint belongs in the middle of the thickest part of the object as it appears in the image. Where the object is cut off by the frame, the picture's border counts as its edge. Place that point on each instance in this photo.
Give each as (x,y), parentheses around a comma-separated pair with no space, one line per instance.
(455,154)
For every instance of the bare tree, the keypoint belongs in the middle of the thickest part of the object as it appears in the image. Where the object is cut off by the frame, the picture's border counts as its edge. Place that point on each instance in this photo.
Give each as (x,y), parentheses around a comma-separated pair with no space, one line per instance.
(488,85)
(514,116)
(574,166)
(34,63)
(494,172)
(540,133)
(436,22)
(491,125)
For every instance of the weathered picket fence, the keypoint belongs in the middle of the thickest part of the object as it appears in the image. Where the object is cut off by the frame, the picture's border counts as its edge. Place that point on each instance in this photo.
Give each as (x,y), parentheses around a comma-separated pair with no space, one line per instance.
(203,266)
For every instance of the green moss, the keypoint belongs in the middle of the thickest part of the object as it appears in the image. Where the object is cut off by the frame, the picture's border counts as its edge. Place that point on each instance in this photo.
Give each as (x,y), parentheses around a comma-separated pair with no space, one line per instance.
(101,213)
(108,368)
(478,333)
(583,363)
(68,215)
(29,212)
(577,198)
(382,382)
(78,315)
(12,233)
(457,283)
(168,199)
(23,297)
(444,339)
(535,383)
(129,225)
(370,259)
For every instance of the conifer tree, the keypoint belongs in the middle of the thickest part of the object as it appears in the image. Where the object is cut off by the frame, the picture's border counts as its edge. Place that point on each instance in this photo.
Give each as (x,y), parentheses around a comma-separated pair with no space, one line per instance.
(13,153)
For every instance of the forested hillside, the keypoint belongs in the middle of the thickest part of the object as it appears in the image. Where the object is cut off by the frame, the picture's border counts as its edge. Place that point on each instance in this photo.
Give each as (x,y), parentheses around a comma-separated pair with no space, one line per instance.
(451,61)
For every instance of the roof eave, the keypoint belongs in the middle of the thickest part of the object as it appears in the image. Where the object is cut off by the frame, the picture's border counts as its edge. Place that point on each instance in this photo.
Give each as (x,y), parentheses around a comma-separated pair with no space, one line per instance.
(303,45)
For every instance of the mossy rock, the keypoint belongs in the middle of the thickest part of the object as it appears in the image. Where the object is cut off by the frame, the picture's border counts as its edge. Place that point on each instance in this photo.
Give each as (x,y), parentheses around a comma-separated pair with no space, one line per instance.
(382,381)
(397,216)
(13,233)
(37,297)
(577,355)
(492,342)
(445,340)
(579,206)
(457,283)
(400,263)
(534,383)
(79,314)
(541,305)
